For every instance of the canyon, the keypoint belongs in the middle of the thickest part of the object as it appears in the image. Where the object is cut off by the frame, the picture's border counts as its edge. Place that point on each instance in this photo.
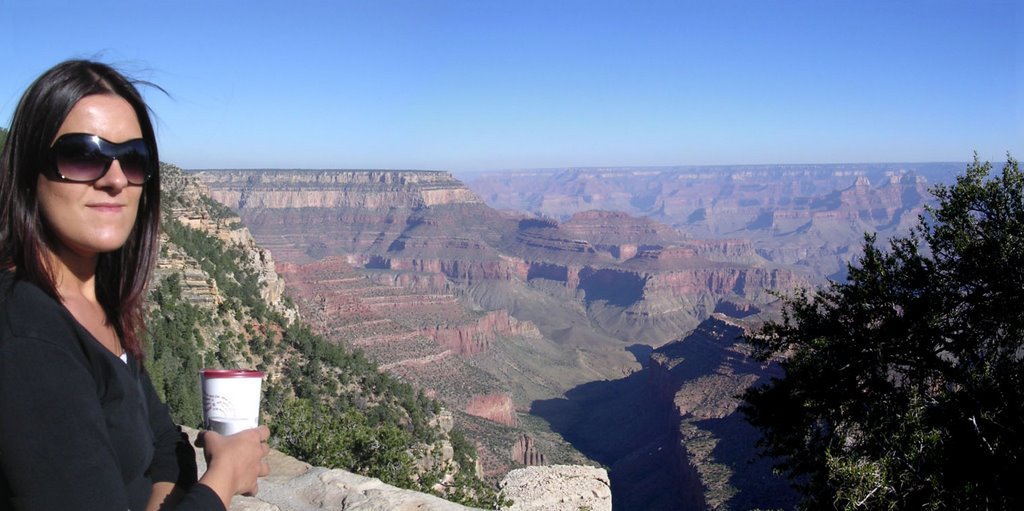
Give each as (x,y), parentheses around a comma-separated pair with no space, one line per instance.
(426,231)
(574,318)
(217,292)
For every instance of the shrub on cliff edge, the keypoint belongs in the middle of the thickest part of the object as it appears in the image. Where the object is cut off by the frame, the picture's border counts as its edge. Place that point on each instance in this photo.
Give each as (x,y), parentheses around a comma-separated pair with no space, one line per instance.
(904,386)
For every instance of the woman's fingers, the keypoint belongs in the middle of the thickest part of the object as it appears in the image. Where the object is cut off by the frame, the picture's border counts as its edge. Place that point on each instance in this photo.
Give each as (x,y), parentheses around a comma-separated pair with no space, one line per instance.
(241,457)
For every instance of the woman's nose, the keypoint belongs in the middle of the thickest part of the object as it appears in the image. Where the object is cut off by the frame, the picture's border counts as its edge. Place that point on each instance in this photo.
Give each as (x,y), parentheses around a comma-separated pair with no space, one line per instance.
(114,178)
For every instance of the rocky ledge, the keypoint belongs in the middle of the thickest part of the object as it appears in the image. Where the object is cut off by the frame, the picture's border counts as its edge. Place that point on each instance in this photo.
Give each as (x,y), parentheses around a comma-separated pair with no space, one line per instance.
(294,485)
(558,488)
(297,486)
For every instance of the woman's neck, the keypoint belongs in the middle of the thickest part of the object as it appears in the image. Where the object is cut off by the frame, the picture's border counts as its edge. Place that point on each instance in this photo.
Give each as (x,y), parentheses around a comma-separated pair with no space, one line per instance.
(75,282)
(74,275)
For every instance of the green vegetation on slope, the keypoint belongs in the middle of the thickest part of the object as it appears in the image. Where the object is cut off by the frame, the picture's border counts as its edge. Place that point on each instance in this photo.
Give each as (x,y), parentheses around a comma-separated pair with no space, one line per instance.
(175,359)
(904,386)
(324,404)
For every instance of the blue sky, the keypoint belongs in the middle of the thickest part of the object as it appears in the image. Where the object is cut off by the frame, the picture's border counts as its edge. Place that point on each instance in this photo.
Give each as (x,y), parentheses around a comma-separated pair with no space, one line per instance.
(483,84)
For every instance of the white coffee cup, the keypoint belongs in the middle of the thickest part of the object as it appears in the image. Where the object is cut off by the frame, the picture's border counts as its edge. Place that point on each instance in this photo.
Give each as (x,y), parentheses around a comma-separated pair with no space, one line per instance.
(231,399)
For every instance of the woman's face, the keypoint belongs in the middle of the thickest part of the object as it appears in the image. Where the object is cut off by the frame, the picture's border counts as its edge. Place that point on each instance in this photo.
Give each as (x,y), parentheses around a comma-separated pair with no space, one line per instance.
(90,218)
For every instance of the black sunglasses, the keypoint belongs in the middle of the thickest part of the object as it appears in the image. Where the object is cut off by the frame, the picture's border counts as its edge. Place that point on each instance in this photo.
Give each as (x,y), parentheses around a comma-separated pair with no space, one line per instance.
(84,158)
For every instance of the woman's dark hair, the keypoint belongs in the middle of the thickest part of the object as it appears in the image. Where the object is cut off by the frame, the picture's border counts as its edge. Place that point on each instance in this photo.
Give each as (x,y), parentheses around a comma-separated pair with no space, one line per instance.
(121,275)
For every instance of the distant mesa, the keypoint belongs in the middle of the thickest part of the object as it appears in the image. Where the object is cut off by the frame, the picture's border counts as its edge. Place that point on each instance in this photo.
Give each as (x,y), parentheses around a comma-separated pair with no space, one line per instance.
(794,214)
(296,189)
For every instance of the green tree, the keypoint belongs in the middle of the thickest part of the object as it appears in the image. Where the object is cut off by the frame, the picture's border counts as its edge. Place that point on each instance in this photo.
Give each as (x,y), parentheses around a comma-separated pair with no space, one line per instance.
(903,388)
(326,437)
(171,352)
(3,138)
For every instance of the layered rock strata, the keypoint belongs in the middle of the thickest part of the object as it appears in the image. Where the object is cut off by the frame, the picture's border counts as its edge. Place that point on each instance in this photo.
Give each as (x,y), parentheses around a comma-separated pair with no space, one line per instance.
(420,332)
(427,230)
(497,408)
(333,189)
(197,287)
(193,209)
(474,337)
(426,338)
(443,291)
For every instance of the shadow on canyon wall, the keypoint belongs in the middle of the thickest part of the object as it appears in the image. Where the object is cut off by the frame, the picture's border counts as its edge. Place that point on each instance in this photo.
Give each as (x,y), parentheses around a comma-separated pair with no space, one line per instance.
(642,353)
(659,460)
(615,423)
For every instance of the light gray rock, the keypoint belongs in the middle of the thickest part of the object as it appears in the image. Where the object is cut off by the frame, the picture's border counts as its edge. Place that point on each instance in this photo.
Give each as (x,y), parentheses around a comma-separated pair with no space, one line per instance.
(296,486)
(558,488)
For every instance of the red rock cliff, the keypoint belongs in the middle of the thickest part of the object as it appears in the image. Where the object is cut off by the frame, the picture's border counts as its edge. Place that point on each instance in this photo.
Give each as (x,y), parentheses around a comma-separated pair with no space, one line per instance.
(471,338)
(494,407)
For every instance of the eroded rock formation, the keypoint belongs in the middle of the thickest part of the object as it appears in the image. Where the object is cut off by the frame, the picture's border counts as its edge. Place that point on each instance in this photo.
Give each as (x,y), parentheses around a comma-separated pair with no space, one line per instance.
(192,208)
(196,286)
(524,452)
(421,334)
(468,302)
(474,337)
(430,232)
(424,337)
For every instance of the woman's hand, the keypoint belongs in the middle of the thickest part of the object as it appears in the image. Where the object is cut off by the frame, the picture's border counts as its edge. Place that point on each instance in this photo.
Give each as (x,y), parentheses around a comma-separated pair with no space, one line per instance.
(235,461)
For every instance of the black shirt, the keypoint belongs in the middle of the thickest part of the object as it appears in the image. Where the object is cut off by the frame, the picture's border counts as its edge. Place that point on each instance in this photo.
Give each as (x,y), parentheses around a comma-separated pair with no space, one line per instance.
(80,428)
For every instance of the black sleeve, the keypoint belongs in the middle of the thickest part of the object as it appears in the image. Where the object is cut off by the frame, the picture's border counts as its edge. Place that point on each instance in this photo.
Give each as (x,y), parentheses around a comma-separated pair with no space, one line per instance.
(200,498)
(55,452)
(174,460)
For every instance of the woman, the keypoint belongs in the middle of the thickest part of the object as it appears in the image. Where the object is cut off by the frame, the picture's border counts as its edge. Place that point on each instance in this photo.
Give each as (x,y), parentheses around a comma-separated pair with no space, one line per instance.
(81,426)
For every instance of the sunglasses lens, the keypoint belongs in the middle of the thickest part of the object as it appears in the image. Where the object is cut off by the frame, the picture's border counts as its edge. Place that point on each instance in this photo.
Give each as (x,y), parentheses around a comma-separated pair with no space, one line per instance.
(80,162)
(134,165)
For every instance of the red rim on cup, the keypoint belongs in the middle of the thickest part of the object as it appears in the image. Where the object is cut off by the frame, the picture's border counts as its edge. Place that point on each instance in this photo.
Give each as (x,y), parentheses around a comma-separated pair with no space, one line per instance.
(231,373)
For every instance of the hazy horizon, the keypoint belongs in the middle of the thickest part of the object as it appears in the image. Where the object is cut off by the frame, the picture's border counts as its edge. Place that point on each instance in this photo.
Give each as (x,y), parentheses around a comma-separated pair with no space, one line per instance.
(995,163)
